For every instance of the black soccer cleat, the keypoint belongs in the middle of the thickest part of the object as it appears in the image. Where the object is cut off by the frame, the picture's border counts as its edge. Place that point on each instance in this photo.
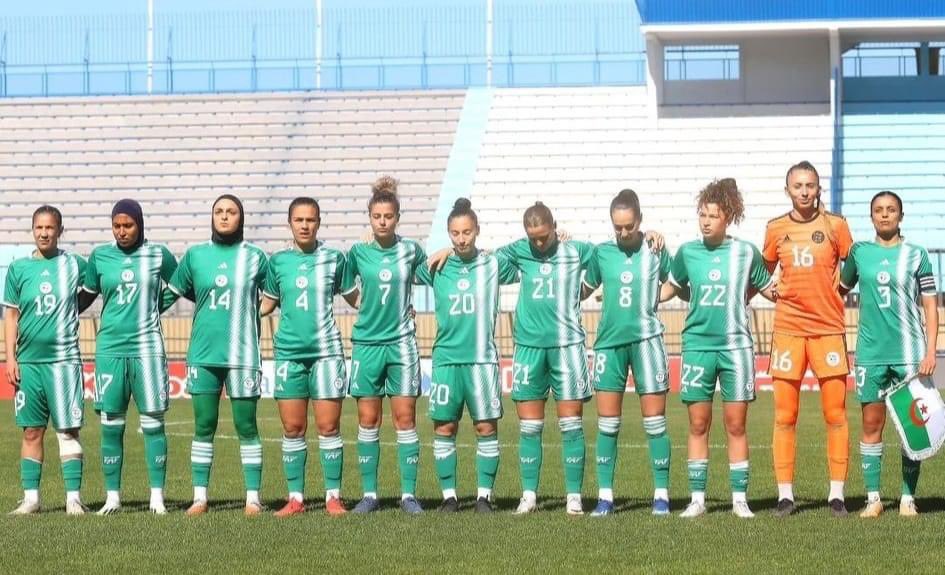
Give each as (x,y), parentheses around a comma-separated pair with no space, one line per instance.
(837,507)
(449,506)
(785,508)
(483,505)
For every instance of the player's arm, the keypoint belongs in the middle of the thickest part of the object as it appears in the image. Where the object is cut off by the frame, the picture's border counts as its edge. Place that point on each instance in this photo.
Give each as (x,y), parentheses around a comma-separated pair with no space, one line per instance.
(849,275)
(267,305)
(350,287)
(678,279)
(91,285)
(930,305)
(592,277)
(10,329)
(85,299)
(655,240)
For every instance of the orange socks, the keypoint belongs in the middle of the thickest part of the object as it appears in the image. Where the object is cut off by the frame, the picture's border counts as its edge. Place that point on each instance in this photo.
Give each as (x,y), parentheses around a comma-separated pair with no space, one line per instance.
(833,397)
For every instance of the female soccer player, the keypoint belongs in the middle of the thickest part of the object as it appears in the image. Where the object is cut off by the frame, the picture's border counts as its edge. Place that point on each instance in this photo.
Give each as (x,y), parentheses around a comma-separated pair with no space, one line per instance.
(894,343)
(385,361)
(130,361)
(465,360)
(629,337)
(43,363)
(223,276)
(808,244)
(310,362)
(722,274)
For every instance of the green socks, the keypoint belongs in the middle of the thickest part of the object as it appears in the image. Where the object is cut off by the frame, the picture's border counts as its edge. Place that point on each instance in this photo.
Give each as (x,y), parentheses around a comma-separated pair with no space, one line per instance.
(660,448)
(572,452)
(155,448)
(910,475)
(738,476)
(206,413)
(444,457)
(72,474)
(608,429)
(529,453)
(408,456)
(244,419)
(369,452)
(871,455)
(487,464)
(31,471)
(698,474)
(294,456)
(113,436)
(332,456)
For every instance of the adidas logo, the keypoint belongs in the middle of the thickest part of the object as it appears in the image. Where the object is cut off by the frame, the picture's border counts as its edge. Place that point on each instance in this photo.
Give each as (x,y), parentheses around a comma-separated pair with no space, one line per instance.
(464,271)
(302,268)
(222,266)
(385,260)
(45,273)
(111,460)
(127,261)
(716,260)
(885,262)
(787,238)
(288,458)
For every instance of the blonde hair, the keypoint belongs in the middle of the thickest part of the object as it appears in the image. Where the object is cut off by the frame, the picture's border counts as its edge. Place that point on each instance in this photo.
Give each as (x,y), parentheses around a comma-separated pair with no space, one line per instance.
(384,191)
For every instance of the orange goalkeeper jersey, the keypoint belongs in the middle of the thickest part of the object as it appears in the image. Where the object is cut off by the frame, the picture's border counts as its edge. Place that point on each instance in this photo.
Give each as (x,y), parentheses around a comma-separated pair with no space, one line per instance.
(809,254)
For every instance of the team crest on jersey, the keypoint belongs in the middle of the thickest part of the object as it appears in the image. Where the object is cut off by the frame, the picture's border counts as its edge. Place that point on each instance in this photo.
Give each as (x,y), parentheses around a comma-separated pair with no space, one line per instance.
(462,284)
(833,359)
(339,383)
(163,395)
(883,277)
(221,281)
(626,277)
(76,412)
(660,376)
(545,269)
(301,282)
(818,237)
(127,275)
(715,275)
(250,383)
(496,403)
(385,275)
(45,287)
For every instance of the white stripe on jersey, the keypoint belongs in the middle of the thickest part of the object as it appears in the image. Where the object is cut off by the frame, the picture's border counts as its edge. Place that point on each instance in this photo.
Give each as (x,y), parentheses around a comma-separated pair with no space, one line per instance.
(237,313)
(904,278)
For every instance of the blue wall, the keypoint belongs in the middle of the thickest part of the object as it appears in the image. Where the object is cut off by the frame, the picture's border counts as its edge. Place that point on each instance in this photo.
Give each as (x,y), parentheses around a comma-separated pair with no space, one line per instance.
(703,11)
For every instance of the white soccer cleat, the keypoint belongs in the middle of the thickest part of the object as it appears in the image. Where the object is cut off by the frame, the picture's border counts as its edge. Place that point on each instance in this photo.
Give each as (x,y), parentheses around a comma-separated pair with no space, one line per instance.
(26,508)
(694,509)
(75,507)
(907,508)
(158,508)
(740,509)
(526,505)
(111,507)
(574,506)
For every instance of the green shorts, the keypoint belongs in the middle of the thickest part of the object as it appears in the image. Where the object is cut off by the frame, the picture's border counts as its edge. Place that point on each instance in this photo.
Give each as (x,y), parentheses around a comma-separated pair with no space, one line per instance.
(50,391)
(118,379)
(872,381)
(240,383)
(734,369)
(645,359)
(562,370)
(475,385)
(388,369)
(322,378)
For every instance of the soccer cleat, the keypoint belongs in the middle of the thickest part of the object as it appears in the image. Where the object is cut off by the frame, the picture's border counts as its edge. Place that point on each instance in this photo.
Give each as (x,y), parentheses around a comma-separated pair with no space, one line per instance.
(449,505)
(410,505)
(660,507)
(837,507)
(253,508)
(292,507)
(526,505)
(335,506)
(367,505)
(785,507)
(483,505)
(603,508)
(573,505)
(872,509)
(197,508)
(908,509)
(158,508)
(26,508)
(75,507)
(110,508)
(741,510)
(694,509)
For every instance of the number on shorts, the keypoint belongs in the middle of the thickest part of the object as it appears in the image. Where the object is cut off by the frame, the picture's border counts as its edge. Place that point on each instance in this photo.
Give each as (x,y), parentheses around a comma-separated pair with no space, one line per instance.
(708,299)
(781,361)
(544,288)
(860,377)
(462,304)
(221,301)
(519,374)
(192,375)
(301,302)
(45,305)
(19,401)
(283,371)
(126,292)
(626,296)
(104,380)
(802,257)
(691,375)
(885,296)
(600,363)
(385,293)
(439,393)
(355,369)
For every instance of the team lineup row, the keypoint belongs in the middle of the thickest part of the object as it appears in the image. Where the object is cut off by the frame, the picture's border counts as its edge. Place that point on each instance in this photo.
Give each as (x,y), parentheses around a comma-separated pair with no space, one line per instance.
(233,284)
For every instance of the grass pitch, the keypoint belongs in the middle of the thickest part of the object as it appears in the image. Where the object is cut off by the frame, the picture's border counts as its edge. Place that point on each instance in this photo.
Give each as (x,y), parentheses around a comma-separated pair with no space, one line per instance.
(548,541)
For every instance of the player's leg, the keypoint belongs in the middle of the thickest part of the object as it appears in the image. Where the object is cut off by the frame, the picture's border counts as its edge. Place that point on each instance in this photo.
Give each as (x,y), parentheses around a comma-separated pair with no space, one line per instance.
(483,397)
(444,461)
(828,359)
(367,387)
(403,387)
(530,386)
(32,415)
(67,392)
(329,387)
(651,380)
(788,363)
(571,388)
(149,387)
(910,468)
(242,385)
(737,380)
(868,385)
(291,394)
(112,391)
(698,377)
(610,380)
(446,405)
(204,385)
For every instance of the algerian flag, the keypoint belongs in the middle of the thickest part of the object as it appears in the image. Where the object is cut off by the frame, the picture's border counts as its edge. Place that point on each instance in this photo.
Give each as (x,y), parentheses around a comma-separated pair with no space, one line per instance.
(919,414)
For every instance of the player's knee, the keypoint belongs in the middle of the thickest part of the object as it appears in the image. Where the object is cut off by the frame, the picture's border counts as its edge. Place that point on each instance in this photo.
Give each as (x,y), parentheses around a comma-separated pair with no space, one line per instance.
(69,446)
(735,428)
(405,420)
(785,416)
(835,415)
(698,426)
(485,428)
(445,428)
(326,428)
(873,427)
(33,435)
(246,428)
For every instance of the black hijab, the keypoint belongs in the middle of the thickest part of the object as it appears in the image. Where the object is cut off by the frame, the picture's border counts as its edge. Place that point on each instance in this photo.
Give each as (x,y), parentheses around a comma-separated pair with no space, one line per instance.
(132,209)
(235,236)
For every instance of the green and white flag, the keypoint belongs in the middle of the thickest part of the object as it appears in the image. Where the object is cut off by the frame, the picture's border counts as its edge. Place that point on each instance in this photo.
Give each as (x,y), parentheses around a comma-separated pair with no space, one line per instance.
(919,414)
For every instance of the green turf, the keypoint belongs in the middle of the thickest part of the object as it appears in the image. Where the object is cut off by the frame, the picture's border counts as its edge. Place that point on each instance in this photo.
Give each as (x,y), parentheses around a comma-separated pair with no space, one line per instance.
(389,541)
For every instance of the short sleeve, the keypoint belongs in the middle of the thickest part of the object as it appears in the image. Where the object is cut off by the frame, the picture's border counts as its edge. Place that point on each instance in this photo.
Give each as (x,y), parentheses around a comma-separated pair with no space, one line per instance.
(91,281)
(263,268)
(587,252)
(666,264)
(82,265)
(925,275)
(168,264)
(679,275)
(844,238)
(849,275)
(340,266)
(349,281)
(508,274)
(760,278)
(182,282)
(770,249)
(419,257)
(507,252)
(11,288)
(270,287)
(592,278)
(423,276)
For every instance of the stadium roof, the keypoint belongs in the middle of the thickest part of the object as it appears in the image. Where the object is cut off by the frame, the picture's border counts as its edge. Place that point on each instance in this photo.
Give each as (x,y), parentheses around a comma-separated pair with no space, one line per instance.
(694,12)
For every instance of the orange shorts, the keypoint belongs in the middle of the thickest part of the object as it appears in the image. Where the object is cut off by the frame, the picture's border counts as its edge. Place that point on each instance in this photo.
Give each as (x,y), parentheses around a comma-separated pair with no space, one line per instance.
(791,354)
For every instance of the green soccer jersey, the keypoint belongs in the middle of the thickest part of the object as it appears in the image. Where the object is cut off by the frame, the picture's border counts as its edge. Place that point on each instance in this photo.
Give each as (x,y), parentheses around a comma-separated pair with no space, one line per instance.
(467,302)
(305,284)
(131,285)
(548,312)
(892,278)
(224,281)
(385,276)
(719,279)
(45,290)
(631,280)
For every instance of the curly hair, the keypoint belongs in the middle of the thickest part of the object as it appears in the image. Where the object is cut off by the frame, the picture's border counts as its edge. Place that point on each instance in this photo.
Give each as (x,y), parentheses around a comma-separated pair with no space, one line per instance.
(384,191)
(724,193)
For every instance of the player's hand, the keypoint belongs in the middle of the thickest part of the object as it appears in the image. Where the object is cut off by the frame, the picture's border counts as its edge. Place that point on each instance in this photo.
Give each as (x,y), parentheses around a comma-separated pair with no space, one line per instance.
(412,312)
(927,366)
(563,235)
(437,260)
(655,240)
(13,372)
